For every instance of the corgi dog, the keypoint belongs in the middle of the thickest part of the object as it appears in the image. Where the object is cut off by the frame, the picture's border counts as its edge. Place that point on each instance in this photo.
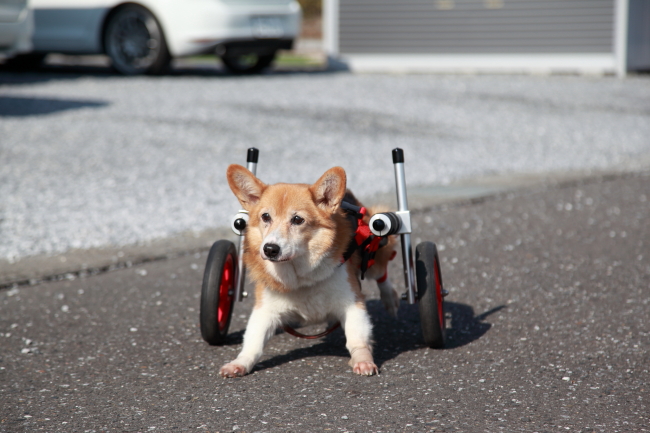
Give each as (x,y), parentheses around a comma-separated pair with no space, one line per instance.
(295,240)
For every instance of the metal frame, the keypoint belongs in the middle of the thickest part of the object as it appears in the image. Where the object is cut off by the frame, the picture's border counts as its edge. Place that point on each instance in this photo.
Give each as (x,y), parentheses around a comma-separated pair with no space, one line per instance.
(240,294)
(621,21)
(331,28)
(405,216)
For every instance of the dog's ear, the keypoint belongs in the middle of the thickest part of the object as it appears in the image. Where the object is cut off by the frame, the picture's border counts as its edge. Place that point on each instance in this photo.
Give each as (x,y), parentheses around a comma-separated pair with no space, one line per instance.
(328,191)
(247,188)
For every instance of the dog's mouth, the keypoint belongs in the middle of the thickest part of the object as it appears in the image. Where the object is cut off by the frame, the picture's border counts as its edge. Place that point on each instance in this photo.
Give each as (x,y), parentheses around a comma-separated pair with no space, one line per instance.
(276,259)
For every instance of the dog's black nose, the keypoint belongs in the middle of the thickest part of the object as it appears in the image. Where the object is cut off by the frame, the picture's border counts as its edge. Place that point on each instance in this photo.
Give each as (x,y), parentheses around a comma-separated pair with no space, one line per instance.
(271,250)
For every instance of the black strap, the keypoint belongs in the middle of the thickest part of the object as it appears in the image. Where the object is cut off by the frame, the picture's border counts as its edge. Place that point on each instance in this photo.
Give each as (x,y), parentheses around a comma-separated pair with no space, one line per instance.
(352,213)
(351,209)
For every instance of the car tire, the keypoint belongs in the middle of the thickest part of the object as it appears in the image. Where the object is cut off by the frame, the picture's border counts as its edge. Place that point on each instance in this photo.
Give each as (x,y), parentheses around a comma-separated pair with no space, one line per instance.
(247,64)
(135,42)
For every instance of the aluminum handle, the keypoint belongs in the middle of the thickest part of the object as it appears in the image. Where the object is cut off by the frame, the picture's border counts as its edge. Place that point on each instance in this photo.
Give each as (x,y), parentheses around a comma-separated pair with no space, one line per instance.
(251,164)
(402,206)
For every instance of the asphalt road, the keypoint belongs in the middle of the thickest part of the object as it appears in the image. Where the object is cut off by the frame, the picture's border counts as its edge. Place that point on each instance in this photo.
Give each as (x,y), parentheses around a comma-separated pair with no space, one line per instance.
(548,322)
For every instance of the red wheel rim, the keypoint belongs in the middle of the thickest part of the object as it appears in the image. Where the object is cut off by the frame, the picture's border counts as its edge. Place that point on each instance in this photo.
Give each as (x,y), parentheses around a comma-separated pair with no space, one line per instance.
(441,314)
(225,293)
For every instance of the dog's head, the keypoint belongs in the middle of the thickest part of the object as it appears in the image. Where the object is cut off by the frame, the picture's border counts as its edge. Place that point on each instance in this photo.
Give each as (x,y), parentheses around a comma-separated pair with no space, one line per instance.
(287,221)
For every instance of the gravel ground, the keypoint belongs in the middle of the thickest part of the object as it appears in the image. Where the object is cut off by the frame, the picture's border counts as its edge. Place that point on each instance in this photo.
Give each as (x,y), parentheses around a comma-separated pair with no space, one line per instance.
(92,160)
(548,332)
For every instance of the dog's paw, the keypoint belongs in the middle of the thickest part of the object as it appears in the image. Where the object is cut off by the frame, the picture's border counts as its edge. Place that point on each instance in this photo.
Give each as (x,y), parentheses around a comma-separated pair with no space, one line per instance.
(390,299)
(365,368)
(232,370)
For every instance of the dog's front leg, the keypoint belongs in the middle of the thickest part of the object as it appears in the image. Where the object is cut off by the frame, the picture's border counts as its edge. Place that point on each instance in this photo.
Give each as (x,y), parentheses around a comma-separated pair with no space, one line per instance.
(358,333)
(261,326)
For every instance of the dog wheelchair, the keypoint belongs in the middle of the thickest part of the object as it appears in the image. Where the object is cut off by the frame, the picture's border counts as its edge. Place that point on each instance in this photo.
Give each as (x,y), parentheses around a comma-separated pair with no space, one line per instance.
(225,272)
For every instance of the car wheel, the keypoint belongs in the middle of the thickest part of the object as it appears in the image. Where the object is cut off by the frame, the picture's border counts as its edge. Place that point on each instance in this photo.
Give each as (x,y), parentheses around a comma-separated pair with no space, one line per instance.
(247,63)
(135,42)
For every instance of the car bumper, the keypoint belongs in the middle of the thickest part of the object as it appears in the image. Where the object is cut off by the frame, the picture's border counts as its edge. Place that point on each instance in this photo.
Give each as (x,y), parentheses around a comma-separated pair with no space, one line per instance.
(234,27)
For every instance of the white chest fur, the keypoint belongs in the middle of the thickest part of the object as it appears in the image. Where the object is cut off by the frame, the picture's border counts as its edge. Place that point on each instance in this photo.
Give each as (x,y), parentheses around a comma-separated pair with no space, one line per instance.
(314,303)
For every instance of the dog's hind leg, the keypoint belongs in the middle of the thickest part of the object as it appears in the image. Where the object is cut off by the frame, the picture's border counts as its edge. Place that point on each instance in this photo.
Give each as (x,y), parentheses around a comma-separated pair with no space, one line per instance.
(261,326)
(389,296)
(358,333)
(379,272)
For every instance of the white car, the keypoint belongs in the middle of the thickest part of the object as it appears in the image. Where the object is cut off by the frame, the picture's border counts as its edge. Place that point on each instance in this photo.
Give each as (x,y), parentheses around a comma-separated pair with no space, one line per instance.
(15,27)
(141,36)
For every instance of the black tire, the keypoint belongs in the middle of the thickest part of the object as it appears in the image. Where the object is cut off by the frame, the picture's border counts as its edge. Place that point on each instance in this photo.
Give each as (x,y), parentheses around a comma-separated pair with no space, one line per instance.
(218,292)
(248,63)
(135,42)
(430,299)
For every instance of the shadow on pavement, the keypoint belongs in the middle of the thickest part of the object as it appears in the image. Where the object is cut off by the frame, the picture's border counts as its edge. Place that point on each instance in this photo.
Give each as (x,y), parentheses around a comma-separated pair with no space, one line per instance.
(392,336)
(14,106)
(465,326)
(59,72)
(234,338)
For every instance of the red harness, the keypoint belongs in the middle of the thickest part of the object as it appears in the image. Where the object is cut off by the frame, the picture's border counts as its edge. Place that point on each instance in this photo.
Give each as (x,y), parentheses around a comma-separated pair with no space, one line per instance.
(289,330)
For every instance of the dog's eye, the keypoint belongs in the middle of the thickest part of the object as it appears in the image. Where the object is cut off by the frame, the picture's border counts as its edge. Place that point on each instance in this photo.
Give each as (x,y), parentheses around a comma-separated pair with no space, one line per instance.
(266,218)
(297,220)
